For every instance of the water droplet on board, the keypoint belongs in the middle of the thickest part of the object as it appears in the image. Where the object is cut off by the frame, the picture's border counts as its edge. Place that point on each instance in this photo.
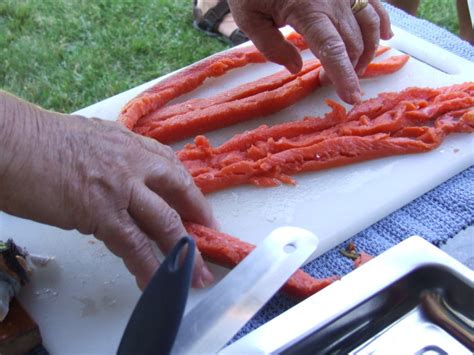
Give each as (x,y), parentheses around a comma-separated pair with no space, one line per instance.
(108,302)
(113,281)
(46,294)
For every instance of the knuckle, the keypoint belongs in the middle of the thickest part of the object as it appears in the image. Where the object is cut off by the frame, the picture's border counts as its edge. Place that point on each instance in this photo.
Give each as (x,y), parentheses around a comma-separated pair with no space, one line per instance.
(332,49)
(167,149)
(356,51)
(375,21)
(299,8)
(185,179)
(372,26)
(309,24)
(173,176)
(172,222)
(137,246)
(167,153)
(123,239)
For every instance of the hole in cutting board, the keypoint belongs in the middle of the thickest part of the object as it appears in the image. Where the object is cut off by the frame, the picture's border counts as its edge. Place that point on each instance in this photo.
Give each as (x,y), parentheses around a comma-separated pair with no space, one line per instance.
(289,248)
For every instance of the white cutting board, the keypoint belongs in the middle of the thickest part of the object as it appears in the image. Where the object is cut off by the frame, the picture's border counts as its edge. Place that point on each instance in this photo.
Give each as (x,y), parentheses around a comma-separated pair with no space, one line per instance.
(82,301)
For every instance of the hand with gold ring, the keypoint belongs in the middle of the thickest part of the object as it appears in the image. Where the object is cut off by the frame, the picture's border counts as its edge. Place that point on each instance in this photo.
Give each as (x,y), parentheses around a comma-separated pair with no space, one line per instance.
(359,5)
(343,34)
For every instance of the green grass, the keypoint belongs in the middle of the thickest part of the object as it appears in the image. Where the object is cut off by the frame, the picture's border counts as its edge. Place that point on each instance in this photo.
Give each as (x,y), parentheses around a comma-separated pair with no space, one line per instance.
(67,54)
(64,55)
(441,12)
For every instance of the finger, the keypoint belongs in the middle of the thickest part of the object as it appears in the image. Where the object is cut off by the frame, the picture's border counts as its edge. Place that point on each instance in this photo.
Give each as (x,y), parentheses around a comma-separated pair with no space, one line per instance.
(271,42)
(385,26)
(350,33)
(163,225)
(155,147)
(369,23)
(170,179)
(123,238)
(324,78)
(326,43)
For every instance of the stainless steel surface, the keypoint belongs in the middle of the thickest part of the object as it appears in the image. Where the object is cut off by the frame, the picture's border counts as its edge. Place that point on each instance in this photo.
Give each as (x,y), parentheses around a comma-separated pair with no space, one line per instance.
(234,300)
(412,334)
(366,303)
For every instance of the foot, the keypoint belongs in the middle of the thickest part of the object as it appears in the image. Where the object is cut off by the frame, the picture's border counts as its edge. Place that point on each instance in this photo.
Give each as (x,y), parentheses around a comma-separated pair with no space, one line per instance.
(467,35)
(225,27)
(465,22)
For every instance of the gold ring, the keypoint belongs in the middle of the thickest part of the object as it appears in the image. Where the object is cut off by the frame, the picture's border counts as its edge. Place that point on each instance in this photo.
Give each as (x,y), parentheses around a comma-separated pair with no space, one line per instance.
(359,5)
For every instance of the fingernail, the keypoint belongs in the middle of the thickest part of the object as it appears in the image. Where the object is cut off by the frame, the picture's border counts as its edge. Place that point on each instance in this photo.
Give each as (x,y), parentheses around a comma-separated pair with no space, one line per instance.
(356,98)
(293,68)
(324,79)
(361,71)
(206,277)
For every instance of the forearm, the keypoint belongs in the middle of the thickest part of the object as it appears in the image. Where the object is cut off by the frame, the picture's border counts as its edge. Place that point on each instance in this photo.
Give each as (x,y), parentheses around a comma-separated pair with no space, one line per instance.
(10,109)
(29,177)
(14,116)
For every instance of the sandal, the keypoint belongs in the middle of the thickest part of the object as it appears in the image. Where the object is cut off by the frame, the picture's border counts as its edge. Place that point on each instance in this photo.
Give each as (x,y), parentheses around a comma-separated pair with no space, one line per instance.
(209,23)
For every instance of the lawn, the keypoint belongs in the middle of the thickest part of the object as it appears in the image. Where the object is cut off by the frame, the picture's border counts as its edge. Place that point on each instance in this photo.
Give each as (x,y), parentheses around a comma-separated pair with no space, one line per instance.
(64,55)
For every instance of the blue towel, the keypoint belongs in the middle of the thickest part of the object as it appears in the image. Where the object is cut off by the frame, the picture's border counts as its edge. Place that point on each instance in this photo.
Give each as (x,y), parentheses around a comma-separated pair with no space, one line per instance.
(437,215)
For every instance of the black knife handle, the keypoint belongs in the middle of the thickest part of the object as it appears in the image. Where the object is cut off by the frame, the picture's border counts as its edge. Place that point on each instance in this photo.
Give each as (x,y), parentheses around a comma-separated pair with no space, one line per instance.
(155,321)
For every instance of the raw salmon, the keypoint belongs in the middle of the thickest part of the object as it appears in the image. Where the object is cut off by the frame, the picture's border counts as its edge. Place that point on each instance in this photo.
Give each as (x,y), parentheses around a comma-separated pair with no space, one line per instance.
(228,251)
(414,120)
(278,91)
(192,77)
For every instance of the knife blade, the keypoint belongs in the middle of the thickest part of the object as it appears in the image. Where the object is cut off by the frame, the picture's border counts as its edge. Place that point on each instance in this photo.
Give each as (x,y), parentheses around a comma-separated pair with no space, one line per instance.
(232,302)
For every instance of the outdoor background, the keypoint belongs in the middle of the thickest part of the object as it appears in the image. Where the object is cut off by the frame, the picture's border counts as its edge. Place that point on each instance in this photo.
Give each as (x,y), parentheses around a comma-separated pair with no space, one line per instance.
(68,54)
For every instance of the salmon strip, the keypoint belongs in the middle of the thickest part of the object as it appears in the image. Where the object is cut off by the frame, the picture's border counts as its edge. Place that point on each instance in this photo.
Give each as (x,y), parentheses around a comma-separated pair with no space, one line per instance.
(370,108)
(247,139)
(228,251)
(388,66)
(413,121)
(328,153)
(192,77)
(268,83)
(229,113)
(265,84)
(239,110)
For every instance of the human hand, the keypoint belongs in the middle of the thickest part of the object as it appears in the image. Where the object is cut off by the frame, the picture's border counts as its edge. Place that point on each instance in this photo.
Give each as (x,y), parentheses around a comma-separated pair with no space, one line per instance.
(99,178)
(344,42)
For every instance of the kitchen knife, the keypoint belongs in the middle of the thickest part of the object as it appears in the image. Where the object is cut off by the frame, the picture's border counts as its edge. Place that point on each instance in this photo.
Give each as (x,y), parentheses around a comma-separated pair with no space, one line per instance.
(232,302)
(155,320)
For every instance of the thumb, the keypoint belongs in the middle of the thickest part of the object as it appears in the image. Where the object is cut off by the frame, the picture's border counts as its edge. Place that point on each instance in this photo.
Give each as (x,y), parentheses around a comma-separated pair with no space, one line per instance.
(271,42)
